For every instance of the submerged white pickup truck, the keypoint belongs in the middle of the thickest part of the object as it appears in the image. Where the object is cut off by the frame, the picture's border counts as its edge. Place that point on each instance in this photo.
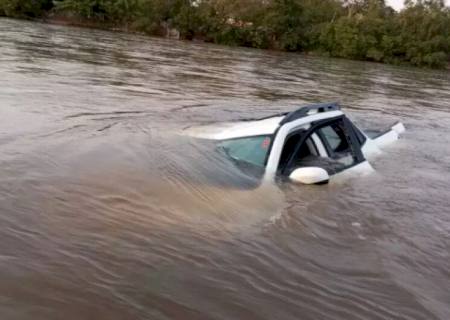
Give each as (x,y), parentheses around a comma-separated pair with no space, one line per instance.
(310,145)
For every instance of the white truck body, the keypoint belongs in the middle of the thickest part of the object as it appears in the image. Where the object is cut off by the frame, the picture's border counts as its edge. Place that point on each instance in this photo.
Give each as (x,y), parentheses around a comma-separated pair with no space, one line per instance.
(320,127)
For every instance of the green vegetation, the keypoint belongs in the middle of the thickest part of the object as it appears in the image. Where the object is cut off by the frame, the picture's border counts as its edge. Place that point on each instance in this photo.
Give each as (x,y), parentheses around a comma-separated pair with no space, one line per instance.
(24,9)
(355,29)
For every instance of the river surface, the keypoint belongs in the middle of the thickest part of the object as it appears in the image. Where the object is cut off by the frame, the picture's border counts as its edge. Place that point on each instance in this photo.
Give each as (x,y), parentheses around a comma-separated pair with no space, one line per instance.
(107,213)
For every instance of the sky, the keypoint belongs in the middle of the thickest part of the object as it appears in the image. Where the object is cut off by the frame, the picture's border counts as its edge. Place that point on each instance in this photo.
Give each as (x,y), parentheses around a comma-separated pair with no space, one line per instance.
(398,4)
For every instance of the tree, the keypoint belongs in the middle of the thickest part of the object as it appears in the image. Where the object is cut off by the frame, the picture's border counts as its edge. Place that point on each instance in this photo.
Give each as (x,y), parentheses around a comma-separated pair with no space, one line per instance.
(25,8)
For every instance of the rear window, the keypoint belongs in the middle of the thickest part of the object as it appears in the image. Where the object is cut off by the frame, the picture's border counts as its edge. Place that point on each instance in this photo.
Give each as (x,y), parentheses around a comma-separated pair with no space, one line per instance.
(251,150)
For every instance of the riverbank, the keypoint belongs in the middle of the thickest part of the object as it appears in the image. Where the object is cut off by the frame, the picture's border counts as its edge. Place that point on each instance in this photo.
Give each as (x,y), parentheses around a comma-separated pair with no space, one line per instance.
(60,19)
(367,30)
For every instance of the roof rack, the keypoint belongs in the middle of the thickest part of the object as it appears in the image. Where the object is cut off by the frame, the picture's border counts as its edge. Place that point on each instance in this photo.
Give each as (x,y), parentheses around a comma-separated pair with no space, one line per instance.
(304,111)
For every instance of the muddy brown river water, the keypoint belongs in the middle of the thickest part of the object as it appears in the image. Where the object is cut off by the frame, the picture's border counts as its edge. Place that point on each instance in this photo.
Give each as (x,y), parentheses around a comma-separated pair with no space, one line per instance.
(107,213)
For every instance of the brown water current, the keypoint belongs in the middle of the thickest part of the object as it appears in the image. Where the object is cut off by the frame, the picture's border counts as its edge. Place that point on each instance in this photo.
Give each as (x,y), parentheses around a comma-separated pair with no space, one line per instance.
(107,213)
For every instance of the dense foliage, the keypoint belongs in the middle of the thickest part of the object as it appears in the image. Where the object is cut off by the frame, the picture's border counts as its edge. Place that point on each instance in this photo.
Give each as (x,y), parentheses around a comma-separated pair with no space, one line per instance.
(356,29)
(27,8)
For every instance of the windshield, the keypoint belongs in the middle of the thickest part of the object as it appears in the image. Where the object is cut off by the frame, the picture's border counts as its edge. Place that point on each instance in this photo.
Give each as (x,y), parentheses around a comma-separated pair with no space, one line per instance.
(251,150)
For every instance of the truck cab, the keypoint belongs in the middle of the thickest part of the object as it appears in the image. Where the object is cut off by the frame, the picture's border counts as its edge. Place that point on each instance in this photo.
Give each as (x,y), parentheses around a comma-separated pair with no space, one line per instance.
(310,145)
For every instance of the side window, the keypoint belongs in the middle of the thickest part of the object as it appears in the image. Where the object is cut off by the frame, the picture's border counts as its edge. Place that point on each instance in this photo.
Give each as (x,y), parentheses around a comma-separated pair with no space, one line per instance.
(359,135)
(334,140)
(337,143)
(337,151)
(307,148)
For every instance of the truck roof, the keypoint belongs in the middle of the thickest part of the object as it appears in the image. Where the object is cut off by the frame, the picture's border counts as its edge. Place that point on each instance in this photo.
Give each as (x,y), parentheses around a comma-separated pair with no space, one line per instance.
(256,127)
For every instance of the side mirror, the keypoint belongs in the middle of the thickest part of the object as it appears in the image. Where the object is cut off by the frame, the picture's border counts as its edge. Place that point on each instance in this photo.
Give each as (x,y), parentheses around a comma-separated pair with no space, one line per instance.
(310,175)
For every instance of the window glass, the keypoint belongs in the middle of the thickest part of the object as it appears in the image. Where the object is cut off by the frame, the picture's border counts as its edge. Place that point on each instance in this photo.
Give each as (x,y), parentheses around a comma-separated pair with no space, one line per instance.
(359,135)
(288,149)
(332,137)
(306,149)
(252,150)
(337,141)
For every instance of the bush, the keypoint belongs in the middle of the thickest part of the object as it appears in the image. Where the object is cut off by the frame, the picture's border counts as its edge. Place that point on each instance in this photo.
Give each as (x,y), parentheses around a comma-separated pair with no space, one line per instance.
(25,8)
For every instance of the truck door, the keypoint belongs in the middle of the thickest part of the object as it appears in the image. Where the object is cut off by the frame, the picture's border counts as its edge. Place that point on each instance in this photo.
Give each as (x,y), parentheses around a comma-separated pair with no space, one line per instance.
(335,148)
